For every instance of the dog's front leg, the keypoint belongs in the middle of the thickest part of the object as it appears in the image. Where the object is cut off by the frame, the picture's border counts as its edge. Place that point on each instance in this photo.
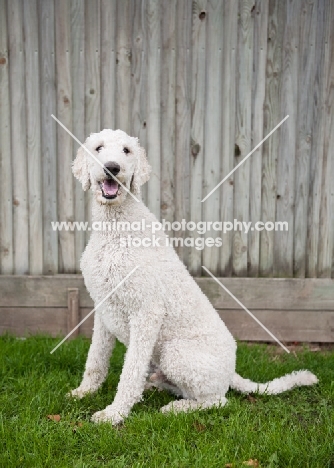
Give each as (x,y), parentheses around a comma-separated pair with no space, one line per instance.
(97,363)
(143,336)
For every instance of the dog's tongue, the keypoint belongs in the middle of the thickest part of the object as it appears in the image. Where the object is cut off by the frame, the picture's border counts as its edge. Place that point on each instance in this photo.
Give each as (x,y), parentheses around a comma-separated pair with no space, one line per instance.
(110,187)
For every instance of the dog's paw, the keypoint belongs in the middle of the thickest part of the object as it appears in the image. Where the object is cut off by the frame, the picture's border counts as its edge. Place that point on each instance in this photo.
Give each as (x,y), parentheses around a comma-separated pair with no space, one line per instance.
(108,415)
(77,393)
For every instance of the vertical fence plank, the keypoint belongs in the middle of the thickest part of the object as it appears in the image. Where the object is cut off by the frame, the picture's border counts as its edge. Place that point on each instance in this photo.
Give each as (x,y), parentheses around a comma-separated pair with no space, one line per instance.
(198,75)
(33,143)
(77,13)
(260,15)
(6,198)
(153,103)
(212,125)
(18,137)
(108,63)
(228,129)
(286,164)
(123,68)
(92,79)
(305,124)
(272,116)
(168,85)
(139,77)
(182,120)
(48,132)
(243,134)
(327,204)
(317,145)
(64,140)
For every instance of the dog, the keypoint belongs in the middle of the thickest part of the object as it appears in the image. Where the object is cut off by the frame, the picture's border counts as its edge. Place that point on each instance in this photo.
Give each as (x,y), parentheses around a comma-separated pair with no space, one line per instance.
(159,312)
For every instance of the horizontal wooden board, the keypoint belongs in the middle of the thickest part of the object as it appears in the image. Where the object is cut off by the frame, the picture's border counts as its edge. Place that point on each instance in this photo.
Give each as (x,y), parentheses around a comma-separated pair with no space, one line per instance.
(41,291)
(23,321)
(286,325)
(292,309)
(254,293)
(271,293)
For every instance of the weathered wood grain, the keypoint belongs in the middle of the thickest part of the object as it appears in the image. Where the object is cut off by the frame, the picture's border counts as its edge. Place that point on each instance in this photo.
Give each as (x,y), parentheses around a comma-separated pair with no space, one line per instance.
(286,325)
(153,104)
(18,137)
(317,146)
(139,86)
(182,118)
(33,143)
(228,129)
(305,123)
(270,293)
(64,140)
(78,111)
(286,163)
(213,125)
(108,63)
(6,195)
(123,61)
(73,311)
(292,309)
(254,293)
(260,15)
(272,116)
(327,204)
(243,134)
(168,106)
(31,320)
(48,133)
(198,99)
(191,80)
(92,80)
(41,291)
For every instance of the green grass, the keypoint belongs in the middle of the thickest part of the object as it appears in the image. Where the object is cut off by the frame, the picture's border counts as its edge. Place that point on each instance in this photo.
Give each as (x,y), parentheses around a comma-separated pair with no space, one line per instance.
(294,429)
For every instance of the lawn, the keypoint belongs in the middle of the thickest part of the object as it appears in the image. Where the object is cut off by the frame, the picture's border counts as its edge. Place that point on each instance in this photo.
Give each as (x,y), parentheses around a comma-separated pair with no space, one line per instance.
(294,429)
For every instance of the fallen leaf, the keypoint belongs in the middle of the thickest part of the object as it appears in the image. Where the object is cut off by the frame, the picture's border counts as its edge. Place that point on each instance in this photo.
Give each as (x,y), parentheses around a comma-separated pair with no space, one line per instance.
(54,417)
(229,465)
(199,427)
(80,424)
(251,462)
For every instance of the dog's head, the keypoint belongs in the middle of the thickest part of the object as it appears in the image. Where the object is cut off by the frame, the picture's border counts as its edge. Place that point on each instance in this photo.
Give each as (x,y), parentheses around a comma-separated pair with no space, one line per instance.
(111,153)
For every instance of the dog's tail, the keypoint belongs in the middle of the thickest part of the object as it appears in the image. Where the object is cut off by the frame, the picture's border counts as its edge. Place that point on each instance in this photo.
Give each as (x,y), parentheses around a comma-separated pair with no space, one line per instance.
(282,384)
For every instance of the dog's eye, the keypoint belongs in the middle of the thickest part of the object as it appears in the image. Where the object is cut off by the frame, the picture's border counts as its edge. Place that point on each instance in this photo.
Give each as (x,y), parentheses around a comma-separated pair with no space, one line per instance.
(98,149)
(126,150)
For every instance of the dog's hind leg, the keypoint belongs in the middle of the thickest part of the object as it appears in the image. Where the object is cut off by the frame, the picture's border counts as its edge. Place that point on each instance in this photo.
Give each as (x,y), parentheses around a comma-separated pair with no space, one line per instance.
(202,371)
(192,405)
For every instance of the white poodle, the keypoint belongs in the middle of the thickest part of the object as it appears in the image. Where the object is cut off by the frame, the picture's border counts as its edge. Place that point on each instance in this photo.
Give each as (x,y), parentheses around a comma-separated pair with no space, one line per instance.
(167,324)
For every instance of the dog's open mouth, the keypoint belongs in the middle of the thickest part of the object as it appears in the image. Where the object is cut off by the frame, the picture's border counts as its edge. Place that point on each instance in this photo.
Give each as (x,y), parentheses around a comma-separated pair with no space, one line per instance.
(109,188)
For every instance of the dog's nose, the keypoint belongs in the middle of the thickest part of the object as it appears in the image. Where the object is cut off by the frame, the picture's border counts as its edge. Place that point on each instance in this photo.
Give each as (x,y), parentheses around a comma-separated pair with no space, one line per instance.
(111,167)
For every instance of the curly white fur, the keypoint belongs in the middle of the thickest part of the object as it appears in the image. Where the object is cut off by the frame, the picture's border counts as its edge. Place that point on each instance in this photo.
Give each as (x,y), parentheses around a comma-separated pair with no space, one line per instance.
(159,313)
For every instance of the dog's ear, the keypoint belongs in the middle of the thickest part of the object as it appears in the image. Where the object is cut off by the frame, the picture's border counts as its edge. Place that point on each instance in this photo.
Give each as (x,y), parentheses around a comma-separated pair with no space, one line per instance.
(80,168)
(142,172)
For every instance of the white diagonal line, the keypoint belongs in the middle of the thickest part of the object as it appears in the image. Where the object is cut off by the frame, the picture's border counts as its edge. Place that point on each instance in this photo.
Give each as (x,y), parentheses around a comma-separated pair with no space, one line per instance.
(94,157)
(245,308)
(95,308)
(246,157)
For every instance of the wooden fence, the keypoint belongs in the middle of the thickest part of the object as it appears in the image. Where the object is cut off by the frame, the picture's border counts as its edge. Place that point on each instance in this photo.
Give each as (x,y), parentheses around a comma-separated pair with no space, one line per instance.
(293,309)
(200,83)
